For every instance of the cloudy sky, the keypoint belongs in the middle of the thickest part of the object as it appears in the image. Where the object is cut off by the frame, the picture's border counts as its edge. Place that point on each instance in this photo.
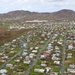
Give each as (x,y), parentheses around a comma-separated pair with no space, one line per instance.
(36,5)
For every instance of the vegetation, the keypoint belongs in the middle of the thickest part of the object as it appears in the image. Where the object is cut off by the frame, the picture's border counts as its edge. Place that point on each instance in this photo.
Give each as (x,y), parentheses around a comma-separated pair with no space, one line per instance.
(6,35)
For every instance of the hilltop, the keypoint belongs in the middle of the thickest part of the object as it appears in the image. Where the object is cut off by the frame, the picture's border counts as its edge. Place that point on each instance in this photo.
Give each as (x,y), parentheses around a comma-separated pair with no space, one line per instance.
(64,14)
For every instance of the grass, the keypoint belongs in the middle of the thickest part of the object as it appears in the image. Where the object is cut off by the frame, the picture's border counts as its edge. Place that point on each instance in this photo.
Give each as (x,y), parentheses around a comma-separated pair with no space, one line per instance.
(56,68)
(19,65)
(34,73)
(16,50)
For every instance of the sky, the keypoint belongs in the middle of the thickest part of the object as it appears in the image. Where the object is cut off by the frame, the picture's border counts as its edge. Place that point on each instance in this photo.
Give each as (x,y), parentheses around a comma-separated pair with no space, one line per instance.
(36,5)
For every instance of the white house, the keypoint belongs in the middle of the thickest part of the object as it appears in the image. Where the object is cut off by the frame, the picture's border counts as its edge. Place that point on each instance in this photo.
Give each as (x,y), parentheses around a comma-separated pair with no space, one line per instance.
(57,62)
(39,70)
(3,72)
(70,47)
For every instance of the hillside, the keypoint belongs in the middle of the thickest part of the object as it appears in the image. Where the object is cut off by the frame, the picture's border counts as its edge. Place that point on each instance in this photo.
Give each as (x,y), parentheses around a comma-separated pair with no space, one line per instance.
(64,14)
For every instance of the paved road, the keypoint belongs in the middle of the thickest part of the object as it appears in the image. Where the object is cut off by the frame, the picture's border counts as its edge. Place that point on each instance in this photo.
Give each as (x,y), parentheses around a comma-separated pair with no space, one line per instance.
(63,56)
(32,65)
